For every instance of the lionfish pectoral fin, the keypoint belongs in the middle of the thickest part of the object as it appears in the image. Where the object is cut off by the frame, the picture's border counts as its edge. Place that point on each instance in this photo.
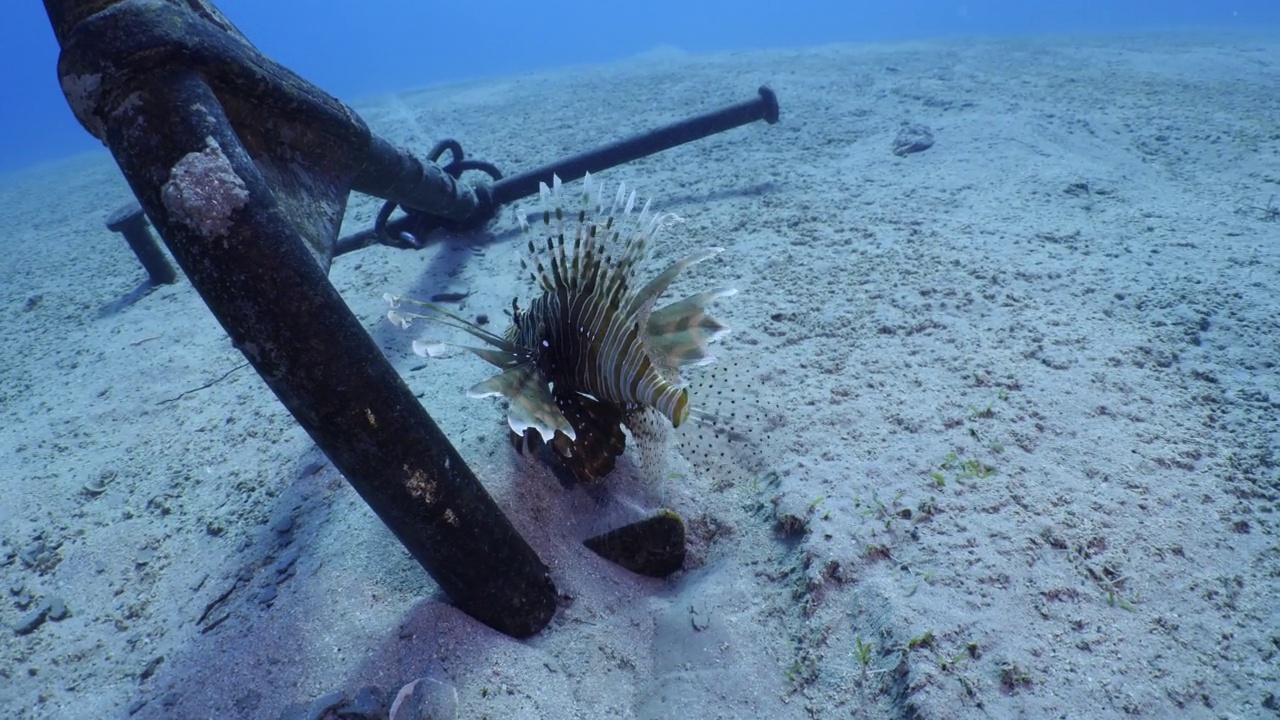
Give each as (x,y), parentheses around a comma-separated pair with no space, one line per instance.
(681,332)
(440,316)
(500,358)
(530,404)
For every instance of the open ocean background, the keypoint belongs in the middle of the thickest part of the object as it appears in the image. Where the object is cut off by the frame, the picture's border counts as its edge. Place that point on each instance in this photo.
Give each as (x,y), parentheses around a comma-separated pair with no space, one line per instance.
(357,49)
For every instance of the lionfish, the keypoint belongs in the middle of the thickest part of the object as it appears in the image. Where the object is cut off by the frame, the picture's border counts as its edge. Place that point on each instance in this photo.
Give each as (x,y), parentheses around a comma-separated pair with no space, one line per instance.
(591,353)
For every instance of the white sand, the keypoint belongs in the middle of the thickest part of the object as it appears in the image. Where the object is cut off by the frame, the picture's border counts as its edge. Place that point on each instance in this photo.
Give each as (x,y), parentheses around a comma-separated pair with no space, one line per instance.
(1025,383)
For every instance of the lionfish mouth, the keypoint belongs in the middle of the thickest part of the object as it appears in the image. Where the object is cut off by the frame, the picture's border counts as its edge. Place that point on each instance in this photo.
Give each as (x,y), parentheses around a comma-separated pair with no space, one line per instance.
(591,351)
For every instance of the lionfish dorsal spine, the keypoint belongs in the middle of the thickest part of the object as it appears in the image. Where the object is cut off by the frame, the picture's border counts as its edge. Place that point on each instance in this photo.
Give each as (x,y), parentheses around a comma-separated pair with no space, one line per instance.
(591,331)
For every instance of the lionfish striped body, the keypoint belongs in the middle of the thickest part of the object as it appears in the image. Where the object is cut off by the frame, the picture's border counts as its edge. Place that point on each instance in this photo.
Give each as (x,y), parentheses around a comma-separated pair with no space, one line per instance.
(591,352)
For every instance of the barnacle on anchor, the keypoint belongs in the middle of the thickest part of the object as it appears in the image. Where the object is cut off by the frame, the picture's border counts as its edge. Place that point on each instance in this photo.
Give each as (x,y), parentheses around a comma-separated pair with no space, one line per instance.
(591,353)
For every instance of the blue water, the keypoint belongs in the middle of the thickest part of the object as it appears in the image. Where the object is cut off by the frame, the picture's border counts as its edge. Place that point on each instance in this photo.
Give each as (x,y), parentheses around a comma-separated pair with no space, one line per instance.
(355,49)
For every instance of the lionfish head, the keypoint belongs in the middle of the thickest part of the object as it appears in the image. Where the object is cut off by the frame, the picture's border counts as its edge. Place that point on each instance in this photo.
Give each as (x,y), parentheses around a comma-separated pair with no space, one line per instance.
(591,349)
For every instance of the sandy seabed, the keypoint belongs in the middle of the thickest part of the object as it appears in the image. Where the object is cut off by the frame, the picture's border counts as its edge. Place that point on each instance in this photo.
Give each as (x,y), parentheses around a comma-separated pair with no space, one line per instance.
(1022,392)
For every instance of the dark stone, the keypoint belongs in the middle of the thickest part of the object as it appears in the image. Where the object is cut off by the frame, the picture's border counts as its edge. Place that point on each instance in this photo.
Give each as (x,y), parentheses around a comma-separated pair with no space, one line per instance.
(282,525)
(40,555)
(654,547)
(151,667)
(284,564)
(369,703)
(58,609)
(912,138)
(317,709)
(32,620)
(247,703)
(426,699)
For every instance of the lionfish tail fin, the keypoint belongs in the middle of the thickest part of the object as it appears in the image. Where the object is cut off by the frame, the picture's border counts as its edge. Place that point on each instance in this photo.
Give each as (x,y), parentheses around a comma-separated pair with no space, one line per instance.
(680,334)
(530,402)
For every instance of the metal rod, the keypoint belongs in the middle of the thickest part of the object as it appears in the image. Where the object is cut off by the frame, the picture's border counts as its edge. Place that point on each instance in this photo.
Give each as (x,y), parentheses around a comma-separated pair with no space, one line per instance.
(764,107)
(131,222)
(393,174)
(399,172)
